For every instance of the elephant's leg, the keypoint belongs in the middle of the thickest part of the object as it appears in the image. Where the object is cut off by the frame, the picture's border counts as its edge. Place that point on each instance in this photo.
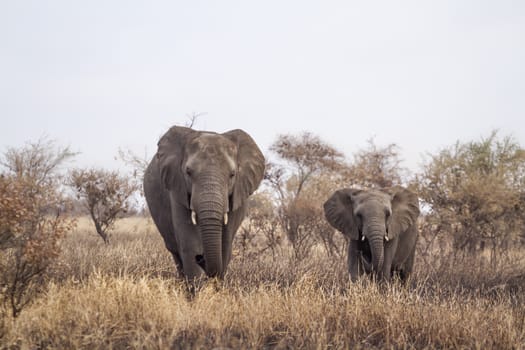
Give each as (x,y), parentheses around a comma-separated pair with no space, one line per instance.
(355,266)
(390,251)
(234,221)
(190,252)
(227,242)
(407,251)
(160,209)
(406,270)
(178,262)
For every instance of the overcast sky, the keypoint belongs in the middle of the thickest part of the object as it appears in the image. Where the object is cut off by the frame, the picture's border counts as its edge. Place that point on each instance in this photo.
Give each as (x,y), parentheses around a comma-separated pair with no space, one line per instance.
(99,75)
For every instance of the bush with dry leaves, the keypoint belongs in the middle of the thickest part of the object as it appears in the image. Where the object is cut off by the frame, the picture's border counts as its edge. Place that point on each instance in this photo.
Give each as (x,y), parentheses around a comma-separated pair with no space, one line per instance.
(105,194)
(474,196)
(31,220)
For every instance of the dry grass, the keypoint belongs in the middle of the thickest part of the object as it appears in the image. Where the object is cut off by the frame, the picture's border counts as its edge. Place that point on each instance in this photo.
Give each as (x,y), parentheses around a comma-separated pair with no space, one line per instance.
(136,249)
(125,295)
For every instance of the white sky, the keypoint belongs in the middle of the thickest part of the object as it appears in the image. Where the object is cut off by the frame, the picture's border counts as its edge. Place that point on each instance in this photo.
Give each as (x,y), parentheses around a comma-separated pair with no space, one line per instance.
(99,75)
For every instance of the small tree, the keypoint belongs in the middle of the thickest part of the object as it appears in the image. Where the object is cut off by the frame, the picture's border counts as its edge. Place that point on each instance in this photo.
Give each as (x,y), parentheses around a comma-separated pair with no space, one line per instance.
(137,163)
(306,159)
(105,194)
(37,162)
(475,192)
(31,220)
(376,166)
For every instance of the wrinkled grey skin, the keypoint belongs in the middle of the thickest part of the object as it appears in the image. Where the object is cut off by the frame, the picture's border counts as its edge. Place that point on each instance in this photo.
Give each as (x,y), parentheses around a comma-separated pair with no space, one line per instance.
(387,221)
(210,175)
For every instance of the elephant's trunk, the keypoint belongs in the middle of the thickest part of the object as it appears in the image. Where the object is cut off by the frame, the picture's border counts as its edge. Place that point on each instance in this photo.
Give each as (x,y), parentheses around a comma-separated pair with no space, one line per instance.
(211,233)
(210,217)
(375,233)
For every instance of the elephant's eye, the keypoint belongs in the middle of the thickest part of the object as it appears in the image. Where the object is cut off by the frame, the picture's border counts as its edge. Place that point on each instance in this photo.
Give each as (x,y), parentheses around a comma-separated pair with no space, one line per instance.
(232,174)
(188,171)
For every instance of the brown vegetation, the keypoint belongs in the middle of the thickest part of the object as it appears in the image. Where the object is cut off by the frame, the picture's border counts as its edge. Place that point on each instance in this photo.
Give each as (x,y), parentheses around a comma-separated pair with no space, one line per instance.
(309,169)
(125,296)
(475,196)
(105,194)
(287,285)
(31,222)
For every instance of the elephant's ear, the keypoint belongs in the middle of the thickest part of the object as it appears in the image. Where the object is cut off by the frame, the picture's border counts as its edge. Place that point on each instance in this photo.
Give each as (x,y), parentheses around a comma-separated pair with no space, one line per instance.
(405,210)
(339,212)
(250,167)
(170,154)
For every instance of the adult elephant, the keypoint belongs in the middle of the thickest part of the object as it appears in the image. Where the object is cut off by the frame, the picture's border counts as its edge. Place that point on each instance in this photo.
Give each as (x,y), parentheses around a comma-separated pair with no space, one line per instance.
(196,187)
(381,225)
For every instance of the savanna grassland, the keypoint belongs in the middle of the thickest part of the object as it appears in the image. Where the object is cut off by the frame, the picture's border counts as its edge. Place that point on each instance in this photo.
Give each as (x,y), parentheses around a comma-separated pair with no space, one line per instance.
(127,295)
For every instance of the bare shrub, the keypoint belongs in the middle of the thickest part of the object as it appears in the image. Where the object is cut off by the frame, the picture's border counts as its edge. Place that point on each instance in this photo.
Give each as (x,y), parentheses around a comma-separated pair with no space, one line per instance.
(138,165)
(376,166)
(306,160)
(31,220)
(474,192)
(37,162)
(106,194)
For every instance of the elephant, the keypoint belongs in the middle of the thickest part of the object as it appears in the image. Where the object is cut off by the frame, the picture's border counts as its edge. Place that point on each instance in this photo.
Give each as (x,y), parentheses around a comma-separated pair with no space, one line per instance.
(196,187)
(381,225)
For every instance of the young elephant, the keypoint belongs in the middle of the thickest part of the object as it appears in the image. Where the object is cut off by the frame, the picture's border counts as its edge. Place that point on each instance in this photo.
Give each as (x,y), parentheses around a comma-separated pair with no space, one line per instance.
(381,226)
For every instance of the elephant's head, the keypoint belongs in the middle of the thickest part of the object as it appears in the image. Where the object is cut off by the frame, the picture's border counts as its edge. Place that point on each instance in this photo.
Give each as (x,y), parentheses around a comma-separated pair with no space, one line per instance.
(372,216)
(210,175)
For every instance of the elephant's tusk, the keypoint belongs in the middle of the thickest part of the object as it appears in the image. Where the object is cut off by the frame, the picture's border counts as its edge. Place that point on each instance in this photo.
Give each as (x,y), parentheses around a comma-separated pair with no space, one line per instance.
(386,238)
(194,218)
(225,218)
(363,239)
